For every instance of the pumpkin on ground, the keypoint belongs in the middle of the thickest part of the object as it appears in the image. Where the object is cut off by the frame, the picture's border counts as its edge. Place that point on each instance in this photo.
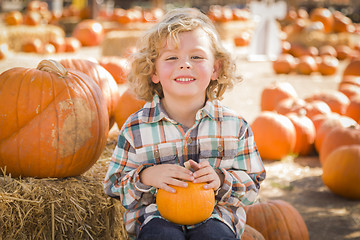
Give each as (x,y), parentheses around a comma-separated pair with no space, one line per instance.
(336,100)
(102,77)
(332,121)
(305,133)
(271,95)
(353,68)
(54,122)
(285,63)
(337,137)
(274,134)
(341,171)
(290,105)
(276,219)
(127,105)
(353,109)
(187,206)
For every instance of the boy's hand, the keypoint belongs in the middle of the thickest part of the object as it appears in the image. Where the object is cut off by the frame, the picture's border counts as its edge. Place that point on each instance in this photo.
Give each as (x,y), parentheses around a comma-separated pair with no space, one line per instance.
(203,172)
(163,175)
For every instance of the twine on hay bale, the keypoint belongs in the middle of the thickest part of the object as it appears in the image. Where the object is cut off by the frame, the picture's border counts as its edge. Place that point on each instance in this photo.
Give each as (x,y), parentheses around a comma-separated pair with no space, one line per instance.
(69,208)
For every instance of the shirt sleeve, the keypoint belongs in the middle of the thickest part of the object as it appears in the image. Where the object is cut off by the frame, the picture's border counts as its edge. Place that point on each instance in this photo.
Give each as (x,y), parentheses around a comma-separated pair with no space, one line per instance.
(242,181)
(122,178)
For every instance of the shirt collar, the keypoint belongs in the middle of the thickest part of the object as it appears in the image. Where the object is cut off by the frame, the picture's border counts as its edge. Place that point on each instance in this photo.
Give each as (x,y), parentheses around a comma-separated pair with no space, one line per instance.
(153,112)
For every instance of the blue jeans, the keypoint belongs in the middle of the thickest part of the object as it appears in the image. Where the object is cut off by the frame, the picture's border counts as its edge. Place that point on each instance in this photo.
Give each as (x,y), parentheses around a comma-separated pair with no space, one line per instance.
(160,229)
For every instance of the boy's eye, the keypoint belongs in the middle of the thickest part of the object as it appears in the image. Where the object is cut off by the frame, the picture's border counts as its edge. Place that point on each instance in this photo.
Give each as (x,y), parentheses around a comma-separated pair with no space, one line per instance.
(196,57)
(171,58)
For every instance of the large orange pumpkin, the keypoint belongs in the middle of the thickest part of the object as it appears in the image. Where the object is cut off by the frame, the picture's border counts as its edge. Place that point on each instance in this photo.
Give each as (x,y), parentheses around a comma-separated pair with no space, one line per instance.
(271,95)
(277,219)
(187,206)
(341,171)
(53,121)
(89,32)
(274,134)
(127,105)
(337,137)
(102,77)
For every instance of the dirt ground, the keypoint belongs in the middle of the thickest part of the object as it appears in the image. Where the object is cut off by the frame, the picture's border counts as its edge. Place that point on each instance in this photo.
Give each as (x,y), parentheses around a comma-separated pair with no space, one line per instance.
(295,180)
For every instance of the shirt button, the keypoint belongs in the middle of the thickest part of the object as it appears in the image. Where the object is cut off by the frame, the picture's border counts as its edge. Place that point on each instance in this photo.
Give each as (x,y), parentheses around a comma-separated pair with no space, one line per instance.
(220,148)
(189,140)
(156,154)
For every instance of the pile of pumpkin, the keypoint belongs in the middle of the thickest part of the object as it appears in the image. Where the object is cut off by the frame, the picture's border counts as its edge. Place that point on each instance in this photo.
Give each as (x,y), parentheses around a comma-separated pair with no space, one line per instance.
(63,110)
(326,123)
(36,32)
(316,42)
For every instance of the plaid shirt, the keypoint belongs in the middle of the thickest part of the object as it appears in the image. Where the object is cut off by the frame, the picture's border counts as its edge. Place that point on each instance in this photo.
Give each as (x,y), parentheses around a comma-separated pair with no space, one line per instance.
(150,137)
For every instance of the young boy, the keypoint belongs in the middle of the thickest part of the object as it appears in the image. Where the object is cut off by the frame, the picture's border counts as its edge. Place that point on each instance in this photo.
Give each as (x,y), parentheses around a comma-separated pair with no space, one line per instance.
(182,71)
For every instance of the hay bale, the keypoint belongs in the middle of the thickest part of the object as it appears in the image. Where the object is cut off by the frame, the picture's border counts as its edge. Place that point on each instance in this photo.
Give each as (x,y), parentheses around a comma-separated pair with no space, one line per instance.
(117,43)
(69,208)
(18,35)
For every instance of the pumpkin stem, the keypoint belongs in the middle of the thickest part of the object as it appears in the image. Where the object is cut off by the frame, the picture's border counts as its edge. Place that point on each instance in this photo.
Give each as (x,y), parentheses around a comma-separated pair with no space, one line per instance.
(52,66)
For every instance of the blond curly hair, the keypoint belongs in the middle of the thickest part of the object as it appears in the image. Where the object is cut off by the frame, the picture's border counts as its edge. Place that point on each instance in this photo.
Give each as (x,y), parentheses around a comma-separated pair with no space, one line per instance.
(173,23)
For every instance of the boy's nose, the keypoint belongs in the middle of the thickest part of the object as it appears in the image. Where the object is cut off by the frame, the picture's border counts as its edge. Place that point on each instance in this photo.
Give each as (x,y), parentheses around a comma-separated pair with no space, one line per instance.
(185,64)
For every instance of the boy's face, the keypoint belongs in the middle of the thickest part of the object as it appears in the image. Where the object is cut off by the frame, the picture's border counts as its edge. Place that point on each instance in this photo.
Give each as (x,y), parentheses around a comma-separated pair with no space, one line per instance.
(186,69)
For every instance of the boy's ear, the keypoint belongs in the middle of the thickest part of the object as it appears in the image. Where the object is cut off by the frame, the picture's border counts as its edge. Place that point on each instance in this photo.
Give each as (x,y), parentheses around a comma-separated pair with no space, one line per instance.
(216,70)
(155,79)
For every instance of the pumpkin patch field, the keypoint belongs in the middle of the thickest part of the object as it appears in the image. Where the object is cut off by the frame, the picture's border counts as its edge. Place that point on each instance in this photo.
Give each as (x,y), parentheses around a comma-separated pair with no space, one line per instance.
(313,172)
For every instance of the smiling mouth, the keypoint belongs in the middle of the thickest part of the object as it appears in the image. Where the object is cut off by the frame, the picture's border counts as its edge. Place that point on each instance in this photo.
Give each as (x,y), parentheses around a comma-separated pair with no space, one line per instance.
(184,79)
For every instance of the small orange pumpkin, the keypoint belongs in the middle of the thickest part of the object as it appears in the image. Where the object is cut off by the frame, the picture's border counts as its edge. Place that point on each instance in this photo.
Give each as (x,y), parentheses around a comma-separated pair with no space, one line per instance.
(306,65)
(72,44)
(54,122)
(341,171)
(336,100)
(324,16)
(187,206)
(285,63)
(13,18)
(353,68)
(328,65)
(89,32)
(353,109)
(274,134)
(271,95)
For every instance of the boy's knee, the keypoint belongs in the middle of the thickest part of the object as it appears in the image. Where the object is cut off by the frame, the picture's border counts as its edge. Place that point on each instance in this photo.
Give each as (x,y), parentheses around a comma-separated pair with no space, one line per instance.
(159,229)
